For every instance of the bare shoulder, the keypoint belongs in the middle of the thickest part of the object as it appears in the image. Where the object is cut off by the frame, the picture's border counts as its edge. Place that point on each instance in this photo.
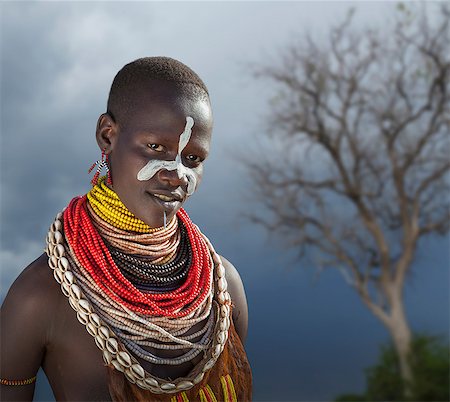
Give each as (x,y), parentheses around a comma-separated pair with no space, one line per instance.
(31,297)
(238,298)
(26,316)
(34,282)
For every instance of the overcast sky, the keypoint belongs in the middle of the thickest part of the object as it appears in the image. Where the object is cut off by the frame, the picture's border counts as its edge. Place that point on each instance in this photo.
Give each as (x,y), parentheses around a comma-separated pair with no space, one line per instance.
(308,339)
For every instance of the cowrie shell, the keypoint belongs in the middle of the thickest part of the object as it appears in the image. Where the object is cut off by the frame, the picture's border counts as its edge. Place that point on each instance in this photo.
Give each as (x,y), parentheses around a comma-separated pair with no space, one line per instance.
(59,250)
(95,320)
(217,351)
(58,237)
(124,359)
(151,381)
(53,262)
(222,337)
(73,303)
(65,288)
(100,342)
(224,311)
(91,329)
(85,306)
(117,365)
(103,332)
(168,386)
(107,357)
(112,345)
(58,275)
(221,297)
(130,376)
(138,371)
(182,385)
(59,215)
(56,225)
(220,271)
(224,324)
(222,284)
(198,378)
(68,278)
(75,291)
(82,317)
(216,258)
(63,264)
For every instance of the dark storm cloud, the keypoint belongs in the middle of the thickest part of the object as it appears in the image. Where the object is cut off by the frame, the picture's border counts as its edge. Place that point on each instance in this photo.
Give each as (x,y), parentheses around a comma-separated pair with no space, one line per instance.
(55,82)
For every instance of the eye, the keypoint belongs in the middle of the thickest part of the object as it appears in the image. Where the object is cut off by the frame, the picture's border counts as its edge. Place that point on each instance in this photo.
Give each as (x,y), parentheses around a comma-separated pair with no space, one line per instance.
(194,159)
(156,147)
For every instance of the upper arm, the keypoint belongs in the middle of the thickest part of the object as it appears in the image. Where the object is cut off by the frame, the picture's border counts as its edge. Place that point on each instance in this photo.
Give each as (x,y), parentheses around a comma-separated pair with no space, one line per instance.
(238,298)
(24,318)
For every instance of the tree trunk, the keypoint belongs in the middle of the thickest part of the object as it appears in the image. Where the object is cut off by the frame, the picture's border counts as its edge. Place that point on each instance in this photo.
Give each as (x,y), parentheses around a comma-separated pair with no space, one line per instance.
(401,335)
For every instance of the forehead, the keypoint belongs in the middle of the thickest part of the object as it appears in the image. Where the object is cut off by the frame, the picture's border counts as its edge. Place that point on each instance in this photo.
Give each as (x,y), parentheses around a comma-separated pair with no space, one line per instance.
(162,110)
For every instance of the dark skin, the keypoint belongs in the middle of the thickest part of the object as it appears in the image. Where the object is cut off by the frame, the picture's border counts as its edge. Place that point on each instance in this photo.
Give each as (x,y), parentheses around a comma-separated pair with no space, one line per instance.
(38,327)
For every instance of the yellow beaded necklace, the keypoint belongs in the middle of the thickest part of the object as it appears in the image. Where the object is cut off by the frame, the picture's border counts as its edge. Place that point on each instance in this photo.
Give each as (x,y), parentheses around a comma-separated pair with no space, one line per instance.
(107,205)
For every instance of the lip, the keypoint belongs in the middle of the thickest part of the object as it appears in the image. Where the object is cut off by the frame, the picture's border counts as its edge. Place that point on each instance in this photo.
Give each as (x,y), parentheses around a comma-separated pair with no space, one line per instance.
(167,205)
(174,194)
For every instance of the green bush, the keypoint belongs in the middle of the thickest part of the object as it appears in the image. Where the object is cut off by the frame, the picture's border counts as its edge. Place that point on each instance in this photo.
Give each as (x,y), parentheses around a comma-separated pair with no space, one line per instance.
(431,369)
(431,373)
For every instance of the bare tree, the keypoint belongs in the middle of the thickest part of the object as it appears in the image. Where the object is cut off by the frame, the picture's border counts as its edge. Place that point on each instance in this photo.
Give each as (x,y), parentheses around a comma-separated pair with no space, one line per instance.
(355,161)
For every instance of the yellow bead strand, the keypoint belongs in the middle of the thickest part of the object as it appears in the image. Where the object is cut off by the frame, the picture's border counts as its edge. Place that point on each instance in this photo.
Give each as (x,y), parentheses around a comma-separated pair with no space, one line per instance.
(108,206)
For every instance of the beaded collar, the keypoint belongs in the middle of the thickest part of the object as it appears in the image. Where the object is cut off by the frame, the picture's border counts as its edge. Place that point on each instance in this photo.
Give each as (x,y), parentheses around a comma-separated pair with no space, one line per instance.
(125,303)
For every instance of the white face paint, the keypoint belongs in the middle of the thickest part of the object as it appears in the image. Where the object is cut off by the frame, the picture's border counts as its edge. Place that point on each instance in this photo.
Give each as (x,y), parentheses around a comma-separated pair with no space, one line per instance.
(154,165)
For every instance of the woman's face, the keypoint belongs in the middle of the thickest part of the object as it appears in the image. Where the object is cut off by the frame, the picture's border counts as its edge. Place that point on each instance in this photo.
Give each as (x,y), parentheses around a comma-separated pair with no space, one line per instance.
(149,141)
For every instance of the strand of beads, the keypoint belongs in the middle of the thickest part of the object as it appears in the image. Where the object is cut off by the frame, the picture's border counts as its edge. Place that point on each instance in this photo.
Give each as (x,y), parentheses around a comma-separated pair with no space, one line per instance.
(168,273)
(109,207)
(132,341)
(148,276)
(93,254)
(27,381)
(160,245)
(114,353)
(138,327)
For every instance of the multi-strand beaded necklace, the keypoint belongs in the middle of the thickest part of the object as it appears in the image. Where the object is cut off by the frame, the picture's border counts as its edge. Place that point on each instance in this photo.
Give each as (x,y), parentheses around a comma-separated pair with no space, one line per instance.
(137,288)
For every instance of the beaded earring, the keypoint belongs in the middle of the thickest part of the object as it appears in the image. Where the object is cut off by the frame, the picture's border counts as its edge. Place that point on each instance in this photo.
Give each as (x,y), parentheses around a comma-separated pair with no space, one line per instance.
(108,170)
(103,163)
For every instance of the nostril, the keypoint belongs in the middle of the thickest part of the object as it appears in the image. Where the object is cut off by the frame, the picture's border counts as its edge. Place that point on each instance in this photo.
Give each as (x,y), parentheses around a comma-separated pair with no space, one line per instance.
(173,176)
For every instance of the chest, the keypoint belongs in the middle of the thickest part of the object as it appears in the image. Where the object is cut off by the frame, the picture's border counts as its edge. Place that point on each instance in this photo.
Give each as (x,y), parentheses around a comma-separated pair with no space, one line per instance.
(72,362)
(74,365)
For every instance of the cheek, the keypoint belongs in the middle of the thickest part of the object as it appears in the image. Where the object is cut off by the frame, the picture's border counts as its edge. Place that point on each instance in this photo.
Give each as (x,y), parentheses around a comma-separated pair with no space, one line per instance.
(198,173)
(126,164)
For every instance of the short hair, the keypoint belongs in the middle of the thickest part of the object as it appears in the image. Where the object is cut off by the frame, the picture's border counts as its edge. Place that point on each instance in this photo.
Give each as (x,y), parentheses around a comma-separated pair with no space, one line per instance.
(142,72)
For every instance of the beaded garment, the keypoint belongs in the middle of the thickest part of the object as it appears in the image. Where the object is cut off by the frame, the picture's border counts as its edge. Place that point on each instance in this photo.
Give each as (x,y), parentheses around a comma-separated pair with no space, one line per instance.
(136,288)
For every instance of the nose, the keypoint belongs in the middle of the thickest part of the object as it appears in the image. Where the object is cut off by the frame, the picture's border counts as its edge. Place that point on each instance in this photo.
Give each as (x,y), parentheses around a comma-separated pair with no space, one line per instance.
(171,178)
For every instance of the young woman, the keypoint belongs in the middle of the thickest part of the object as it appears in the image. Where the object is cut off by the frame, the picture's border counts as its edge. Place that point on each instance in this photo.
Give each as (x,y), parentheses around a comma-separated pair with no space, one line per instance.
(130,301)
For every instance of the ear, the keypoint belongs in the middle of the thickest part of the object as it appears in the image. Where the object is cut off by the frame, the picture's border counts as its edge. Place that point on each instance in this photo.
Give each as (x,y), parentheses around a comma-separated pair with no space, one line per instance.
(106,132)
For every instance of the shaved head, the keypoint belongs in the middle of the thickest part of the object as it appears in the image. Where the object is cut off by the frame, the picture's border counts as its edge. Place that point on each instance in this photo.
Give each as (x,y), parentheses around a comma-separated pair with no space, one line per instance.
(136,80)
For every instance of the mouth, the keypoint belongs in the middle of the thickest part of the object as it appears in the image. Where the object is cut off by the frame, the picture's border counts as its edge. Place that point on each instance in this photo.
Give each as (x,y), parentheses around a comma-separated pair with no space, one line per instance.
(165,197)
(168,202)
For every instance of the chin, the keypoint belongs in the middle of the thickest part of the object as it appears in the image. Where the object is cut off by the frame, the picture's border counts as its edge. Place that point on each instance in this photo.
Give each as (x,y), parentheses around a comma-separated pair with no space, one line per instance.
(157,222)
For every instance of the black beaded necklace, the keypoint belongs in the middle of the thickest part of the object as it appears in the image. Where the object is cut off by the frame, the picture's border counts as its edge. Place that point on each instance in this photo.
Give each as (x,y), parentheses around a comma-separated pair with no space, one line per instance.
(147,276)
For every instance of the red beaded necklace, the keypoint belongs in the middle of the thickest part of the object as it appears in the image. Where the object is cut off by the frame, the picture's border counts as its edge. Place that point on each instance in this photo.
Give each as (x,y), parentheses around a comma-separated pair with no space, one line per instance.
(91,251)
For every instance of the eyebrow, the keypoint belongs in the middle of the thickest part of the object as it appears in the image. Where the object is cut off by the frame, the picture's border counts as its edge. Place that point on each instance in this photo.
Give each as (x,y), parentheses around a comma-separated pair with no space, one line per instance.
(198,145)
